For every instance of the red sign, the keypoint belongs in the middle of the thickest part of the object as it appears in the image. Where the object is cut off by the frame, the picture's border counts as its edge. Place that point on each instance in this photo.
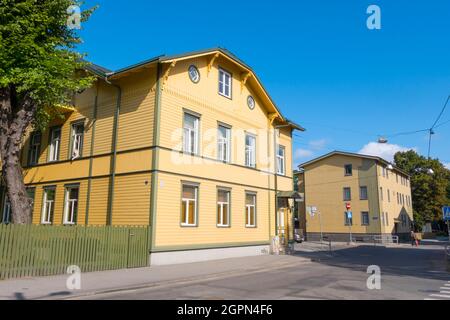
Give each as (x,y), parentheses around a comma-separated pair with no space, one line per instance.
(348,206)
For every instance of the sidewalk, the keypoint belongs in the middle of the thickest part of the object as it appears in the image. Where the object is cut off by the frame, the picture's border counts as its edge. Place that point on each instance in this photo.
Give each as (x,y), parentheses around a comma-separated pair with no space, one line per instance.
(54,287)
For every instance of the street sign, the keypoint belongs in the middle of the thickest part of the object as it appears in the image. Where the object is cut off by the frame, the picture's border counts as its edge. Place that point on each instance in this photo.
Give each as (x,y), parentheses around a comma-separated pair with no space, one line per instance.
(314,210)
(348,206)
(446,213)
(349,214)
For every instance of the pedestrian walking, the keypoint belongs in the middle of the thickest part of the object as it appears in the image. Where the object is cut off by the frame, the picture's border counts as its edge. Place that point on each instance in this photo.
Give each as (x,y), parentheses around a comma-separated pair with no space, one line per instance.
(413,238)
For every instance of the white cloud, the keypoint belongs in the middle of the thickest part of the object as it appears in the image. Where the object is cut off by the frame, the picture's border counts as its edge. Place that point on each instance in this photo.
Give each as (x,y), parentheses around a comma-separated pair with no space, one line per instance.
(318,144)
(447,165)
(383,150)
(302,153)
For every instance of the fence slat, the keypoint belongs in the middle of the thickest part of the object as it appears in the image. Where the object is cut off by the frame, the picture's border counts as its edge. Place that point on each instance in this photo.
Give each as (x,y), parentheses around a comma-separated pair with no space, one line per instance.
(38,250)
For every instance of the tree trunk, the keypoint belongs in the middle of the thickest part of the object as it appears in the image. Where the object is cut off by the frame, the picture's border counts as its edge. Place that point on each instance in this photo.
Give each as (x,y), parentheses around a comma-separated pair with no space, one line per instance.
(16,115)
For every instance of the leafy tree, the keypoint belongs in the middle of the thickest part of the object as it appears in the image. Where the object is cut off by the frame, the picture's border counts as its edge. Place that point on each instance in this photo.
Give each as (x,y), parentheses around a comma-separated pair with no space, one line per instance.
(39,70)
(429,187)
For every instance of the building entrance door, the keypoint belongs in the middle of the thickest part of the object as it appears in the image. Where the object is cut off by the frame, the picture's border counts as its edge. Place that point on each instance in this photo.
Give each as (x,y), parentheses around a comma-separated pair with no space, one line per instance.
(282,222)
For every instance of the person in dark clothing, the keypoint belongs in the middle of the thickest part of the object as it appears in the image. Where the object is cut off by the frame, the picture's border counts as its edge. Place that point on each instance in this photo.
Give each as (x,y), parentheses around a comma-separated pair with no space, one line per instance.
(413,238)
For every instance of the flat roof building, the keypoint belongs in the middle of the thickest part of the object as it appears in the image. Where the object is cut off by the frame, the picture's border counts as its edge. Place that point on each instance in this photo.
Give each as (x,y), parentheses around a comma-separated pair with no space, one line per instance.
(377,192)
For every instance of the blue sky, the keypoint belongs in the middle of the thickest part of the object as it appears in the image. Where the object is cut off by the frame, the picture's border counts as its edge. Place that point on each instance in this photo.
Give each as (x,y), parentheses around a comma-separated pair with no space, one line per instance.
(322,66)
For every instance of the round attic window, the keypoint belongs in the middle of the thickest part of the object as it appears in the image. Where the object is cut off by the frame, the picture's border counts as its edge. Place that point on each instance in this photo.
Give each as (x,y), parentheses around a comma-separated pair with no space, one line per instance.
(194,74)
(251,102)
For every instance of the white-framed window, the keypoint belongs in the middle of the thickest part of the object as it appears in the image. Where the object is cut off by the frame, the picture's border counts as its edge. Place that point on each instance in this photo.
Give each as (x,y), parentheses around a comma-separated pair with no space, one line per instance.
(281,163)
(223,208)
(6,216)
(250,150)
(55,142)
(250,210)
(363,193)
(71,204)
(34,148)
(48,205)
(223,143)
(189,202)
(190,133)
(225,83)
(365,221)
(77,140)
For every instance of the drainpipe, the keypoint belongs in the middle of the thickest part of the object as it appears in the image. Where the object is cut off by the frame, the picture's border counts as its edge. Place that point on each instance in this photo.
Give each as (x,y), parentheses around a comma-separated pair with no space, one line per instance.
(114,148)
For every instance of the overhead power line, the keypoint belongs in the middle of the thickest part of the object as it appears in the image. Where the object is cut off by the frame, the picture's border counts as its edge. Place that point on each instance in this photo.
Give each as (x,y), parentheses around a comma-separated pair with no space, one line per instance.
(440,114)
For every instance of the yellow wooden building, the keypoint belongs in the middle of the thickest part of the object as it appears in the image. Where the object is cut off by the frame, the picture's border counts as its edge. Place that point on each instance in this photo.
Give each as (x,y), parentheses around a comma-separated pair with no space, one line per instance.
(379,195)
(191,145)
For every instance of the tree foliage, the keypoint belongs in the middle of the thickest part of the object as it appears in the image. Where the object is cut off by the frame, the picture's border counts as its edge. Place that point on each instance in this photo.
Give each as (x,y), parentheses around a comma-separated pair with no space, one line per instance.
(430,188)
(39,70)
(37,56)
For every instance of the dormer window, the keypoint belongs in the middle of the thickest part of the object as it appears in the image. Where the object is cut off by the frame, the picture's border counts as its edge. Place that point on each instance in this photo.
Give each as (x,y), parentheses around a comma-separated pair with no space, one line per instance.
(224,83)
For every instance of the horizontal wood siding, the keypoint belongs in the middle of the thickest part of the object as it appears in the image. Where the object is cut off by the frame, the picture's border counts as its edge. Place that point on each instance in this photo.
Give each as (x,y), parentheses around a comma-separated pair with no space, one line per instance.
(98,201)
(170,233)
(131,204)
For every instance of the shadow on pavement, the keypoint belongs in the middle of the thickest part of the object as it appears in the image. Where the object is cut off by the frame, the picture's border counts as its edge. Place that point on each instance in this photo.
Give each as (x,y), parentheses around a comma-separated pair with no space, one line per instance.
(397,261)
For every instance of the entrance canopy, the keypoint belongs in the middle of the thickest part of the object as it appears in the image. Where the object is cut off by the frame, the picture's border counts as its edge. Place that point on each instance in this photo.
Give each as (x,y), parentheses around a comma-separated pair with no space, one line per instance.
(291,195)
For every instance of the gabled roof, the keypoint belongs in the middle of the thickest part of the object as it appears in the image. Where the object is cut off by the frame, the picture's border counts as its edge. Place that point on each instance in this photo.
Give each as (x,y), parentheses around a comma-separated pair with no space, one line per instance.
(350,154)
(108,74)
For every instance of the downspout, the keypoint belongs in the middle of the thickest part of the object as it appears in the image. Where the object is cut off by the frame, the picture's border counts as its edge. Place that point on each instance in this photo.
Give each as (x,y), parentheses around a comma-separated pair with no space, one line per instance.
(114,151)
(94,119)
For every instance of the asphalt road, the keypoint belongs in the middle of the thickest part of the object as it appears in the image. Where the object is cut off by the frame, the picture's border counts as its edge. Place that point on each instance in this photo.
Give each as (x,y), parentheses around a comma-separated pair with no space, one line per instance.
(406,273)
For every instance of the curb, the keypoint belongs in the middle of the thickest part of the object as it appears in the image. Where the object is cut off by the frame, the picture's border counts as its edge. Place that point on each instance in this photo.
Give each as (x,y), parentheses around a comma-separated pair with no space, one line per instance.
(168,283)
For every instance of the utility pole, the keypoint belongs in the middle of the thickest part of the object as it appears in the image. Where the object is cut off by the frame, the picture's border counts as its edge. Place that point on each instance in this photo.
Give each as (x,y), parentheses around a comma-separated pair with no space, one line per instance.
(431,132)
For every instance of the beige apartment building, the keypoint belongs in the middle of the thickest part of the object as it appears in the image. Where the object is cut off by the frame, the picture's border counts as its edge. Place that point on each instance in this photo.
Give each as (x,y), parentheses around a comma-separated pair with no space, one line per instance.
(378,193)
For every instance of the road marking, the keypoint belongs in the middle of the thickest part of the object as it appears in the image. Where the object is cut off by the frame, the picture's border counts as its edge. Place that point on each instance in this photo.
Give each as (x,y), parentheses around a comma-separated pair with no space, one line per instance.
(444,293)
(440,295)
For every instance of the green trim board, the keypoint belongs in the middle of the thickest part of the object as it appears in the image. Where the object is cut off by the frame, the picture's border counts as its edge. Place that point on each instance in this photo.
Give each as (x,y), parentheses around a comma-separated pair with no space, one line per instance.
(149,171)
(114,156)
(154,147)
(155,157)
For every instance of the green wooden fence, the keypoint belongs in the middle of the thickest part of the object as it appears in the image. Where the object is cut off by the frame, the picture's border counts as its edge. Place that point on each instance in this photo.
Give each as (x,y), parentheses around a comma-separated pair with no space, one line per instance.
(37,250)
